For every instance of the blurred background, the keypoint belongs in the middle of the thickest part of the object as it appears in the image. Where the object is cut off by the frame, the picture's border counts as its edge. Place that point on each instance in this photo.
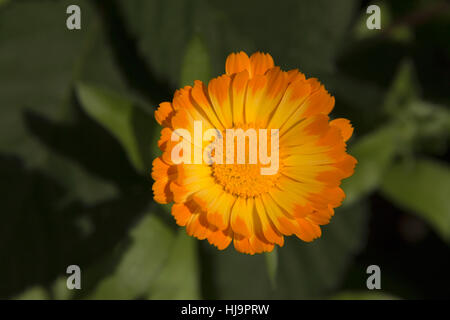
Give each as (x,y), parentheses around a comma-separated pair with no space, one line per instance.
(78,136)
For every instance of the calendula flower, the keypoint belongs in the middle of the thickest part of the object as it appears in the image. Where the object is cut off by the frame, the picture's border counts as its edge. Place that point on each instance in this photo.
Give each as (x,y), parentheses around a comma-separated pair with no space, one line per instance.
(223,198)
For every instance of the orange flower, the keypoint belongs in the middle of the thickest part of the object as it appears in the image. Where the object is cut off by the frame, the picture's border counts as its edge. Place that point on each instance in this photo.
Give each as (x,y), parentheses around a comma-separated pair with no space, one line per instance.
(225,202)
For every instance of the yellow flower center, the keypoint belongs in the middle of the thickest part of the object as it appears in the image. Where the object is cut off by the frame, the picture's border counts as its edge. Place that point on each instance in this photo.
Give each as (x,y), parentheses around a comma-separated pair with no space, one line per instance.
(244,180)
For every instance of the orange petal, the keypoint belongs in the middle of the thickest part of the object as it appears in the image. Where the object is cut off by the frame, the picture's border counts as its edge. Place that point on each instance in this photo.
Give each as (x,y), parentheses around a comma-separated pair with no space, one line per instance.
(240,218)
(321,217)
(308,231)
(239,88)
(260,63)
(181,213)
(219,95)
(284,223)
(277,82)
(181,98)
(345,127)
(255,97)
(220,238)
(259,245)
(317,102)
(296,93)
(268,228)
(309,130)
(201,102)
(197,226)
(166,134)
(161,190)
(292,202)
(242,244)
(295,75)
(163,113)
(237,62)
(160,170)
(219,209)
(347,165)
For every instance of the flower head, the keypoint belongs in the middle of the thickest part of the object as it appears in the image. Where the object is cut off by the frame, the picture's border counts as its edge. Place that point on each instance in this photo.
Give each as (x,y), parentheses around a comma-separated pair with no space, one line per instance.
(282,179)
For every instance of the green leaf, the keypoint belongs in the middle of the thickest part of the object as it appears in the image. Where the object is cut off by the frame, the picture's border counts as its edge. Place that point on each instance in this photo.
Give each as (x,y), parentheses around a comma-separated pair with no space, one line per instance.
(430,124)
(414,121)
(180,278)
(424,188)
(33,293)
(239,25)
(40,80)
(79,184)
(131,125)
(59,289)
(272,266)
(403,91)
(3,2)
(427,125)
(196,63)
(58,57)
(230,274)
(42,230)
(374,153)
(140,262)
(364,295)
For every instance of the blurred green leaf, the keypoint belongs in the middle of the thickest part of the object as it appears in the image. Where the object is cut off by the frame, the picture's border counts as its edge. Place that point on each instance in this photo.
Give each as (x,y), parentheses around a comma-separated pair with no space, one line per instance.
(403,91)
(140,264)
(79,184)
(364,295)
(424,124)
(58,56)
(131,125)
(196,63)
(424,188)
(180,278)
(239,25)
(312,50)
(430,124)
(374,153)
(3,2)
(33,293)
(272,266)
(39,62)
(376,150)
(433,119)
(59,289)
(230,274)
(39,226)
